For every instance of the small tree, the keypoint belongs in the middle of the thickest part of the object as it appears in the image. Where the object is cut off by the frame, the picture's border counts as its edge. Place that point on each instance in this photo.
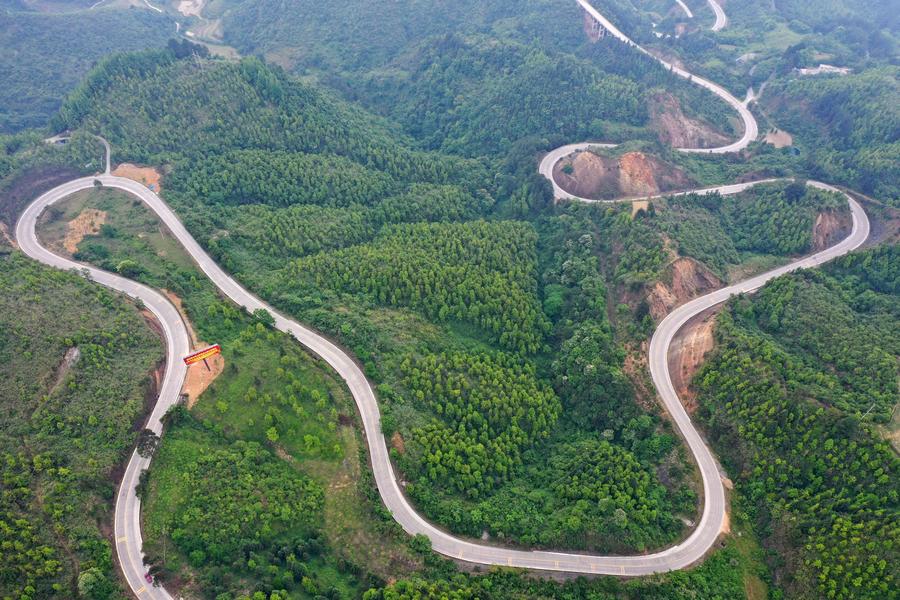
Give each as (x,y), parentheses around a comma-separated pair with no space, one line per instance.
(129,268)
(794,191)
(147,443)
(263,316)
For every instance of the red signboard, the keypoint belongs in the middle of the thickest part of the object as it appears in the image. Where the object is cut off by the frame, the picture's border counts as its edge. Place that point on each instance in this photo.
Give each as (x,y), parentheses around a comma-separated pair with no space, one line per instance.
(202,354)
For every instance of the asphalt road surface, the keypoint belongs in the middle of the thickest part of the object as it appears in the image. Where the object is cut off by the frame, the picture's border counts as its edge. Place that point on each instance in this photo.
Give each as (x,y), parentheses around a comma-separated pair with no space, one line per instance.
(751,132)
(721,19)
(127,511)
(684,7)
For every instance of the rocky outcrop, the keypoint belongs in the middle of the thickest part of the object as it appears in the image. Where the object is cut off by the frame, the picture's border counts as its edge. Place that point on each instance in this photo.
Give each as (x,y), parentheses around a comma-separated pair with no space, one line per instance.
(632,175)
(676,129)
(689,279)
(636,175)
(829,228)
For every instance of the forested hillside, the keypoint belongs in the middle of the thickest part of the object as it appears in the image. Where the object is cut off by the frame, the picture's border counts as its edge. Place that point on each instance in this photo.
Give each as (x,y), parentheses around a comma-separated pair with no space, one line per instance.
(75,372)
(29,167)
(479,272)
(799,375)
(772,219)
(504,335)
(42,61)
(470,78)
(156,108)
(849,125)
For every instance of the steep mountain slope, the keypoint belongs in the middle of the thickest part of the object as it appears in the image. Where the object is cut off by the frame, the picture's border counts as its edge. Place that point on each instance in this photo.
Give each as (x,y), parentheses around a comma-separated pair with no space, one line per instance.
(41,60)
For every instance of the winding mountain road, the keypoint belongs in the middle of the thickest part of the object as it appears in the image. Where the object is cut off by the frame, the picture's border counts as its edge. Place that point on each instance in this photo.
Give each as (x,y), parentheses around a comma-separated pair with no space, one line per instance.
(127,510)
(685,8)
(721,18)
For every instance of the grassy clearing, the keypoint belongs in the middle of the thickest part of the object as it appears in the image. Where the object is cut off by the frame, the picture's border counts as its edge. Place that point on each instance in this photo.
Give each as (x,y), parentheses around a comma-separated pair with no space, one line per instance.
(130,229)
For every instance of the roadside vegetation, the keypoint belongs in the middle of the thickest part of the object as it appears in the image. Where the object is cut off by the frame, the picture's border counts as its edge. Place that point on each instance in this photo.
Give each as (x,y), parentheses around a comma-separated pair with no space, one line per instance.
(77,367)
(773,220)
(800,374)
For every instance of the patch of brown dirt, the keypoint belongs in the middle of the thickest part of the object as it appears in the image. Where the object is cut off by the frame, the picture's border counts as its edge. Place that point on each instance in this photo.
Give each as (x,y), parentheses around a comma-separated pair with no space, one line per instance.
(829,228)
(86,223)
(397,443)
(591,29)
(675,128)
(779,138)
(638,206)
(281,453)
(4,233)
(156,375)
(635,368)
(634,174)
(689,279)
(884,221)
(686,354)
(148,176)
(69,359)
(199,376)
(190,7)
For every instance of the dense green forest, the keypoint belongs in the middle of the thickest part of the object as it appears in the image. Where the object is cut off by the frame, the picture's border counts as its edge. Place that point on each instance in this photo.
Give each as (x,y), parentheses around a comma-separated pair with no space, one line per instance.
(489,409)
(772,219)
(503,333)
(42,60)
(799,374)
(850,126)
(156,108)
(75,366)
(479,272)
(469,77)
